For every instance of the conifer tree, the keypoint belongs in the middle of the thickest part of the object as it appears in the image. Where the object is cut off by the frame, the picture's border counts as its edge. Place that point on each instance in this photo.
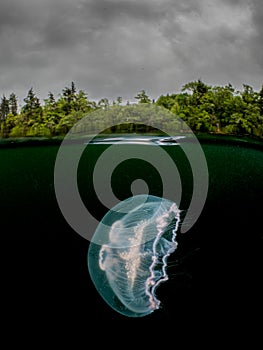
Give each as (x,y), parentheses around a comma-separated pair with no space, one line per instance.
(4,108)
(13,105)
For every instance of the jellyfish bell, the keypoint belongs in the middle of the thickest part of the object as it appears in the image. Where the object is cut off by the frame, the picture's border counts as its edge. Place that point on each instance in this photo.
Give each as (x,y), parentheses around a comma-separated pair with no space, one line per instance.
(137,236)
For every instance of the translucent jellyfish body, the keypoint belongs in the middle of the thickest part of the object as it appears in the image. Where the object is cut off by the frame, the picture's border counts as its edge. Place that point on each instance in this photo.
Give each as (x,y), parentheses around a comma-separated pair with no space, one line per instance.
(128,253)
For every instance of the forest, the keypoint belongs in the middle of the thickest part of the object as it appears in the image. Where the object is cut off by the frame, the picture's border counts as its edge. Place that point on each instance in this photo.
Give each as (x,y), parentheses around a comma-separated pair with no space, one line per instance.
(204,108)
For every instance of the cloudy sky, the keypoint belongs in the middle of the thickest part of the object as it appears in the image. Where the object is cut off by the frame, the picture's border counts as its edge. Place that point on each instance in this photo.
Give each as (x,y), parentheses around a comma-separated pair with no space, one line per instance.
(112,48)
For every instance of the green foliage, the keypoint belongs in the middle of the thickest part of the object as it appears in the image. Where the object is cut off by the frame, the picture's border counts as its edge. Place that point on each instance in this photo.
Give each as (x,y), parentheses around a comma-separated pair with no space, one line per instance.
(218,108)
(204,108)
(13,106)
(4,108)
(142,97)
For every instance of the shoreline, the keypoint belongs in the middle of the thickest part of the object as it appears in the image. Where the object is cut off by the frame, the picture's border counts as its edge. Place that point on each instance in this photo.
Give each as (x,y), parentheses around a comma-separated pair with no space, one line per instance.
(240,140)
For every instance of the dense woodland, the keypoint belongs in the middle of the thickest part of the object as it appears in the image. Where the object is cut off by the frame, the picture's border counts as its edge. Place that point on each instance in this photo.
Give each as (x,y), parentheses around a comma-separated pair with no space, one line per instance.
(204,108)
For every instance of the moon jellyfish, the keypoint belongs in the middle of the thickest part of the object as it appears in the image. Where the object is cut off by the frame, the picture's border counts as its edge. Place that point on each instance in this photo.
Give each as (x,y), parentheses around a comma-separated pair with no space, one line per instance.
(137,236)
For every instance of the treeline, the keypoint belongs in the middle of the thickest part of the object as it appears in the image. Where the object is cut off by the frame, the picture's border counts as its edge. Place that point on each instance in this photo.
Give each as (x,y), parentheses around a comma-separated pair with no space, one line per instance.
(204,108)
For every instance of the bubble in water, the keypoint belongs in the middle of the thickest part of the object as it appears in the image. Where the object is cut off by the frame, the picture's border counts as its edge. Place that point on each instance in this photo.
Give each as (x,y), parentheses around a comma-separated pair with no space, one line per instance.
(137,235)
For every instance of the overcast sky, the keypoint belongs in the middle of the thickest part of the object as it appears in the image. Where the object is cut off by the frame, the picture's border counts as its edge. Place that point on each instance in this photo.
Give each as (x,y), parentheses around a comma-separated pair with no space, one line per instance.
(112,48)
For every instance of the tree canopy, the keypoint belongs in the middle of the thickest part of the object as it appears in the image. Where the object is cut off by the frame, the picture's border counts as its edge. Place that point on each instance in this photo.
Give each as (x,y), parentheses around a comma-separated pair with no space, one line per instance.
(204,108)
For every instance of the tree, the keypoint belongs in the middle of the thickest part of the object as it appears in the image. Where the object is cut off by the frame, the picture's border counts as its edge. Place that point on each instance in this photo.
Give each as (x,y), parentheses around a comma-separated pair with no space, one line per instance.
(32,111)
(260,101)
(249,95)
(4,108)
(104,103)
(204,108)
(197,89)
(69,96)
(52,114)
(50,102)
(142,97)
(13,105)
(82,103)
(32,102)
(166,101)
(119,100)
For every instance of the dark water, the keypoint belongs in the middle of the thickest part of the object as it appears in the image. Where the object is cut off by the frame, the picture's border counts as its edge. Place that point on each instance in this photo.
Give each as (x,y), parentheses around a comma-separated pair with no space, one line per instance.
(216,270)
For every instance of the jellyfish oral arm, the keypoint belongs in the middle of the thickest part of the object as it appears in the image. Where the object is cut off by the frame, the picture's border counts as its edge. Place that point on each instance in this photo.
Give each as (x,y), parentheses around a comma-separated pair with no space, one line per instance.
(151,283)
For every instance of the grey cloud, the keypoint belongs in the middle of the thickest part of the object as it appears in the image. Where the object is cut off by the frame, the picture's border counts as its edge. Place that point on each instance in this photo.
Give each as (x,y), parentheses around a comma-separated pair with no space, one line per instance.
(257,43)
(59,32)
(53,24)
(112,48)
(236,2)
(10,14)
(24,14)
(109,11)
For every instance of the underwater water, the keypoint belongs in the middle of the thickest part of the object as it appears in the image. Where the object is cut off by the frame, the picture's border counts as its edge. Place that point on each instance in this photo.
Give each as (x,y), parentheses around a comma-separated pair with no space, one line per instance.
(141,234)
(215,271)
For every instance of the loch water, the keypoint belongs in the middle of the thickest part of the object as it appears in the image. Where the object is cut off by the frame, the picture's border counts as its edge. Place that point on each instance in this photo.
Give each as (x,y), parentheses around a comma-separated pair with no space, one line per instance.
(216,269)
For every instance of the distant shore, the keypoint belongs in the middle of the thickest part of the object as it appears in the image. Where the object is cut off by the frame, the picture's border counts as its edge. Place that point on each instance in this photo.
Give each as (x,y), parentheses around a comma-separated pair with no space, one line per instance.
(202,137)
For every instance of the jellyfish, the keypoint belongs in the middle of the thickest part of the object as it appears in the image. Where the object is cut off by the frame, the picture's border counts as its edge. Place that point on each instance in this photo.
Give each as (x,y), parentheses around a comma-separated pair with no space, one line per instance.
(127,255)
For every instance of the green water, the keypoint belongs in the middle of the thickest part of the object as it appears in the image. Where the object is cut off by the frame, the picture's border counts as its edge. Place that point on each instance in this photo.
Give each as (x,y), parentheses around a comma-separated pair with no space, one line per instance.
(29,208)
(219,259)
